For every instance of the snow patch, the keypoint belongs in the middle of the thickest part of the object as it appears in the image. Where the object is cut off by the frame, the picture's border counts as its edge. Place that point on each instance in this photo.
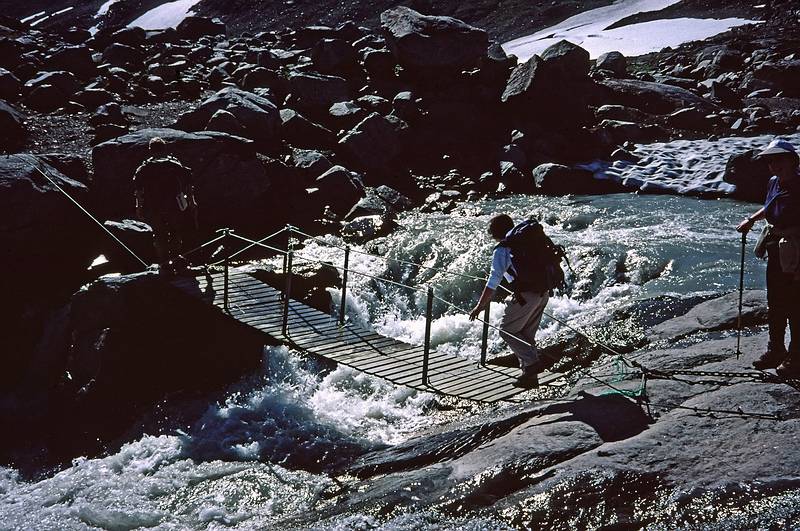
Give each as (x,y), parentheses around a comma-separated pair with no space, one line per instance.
(167,15)
(588,30)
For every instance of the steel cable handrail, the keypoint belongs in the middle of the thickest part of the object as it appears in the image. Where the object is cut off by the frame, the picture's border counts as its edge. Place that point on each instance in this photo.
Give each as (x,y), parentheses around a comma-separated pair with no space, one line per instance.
(323,262)
(471,277)
(77,204)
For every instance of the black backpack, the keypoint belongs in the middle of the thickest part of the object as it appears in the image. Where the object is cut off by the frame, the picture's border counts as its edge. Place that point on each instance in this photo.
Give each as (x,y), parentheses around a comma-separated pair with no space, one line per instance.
(536,260)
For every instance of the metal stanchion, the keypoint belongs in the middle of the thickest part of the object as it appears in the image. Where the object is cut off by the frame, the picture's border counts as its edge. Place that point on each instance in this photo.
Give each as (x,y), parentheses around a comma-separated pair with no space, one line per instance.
(225,243)
(485,335)
(287,294)
(427,350)
(342,305)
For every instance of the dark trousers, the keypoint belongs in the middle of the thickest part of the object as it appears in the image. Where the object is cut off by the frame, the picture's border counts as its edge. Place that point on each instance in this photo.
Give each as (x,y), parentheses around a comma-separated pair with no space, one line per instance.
(783,300)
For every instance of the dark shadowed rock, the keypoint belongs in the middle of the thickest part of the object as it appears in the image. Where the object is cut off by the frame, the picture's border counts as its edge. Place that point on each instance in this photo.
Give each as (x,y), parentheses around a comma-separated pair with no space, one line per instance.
(340,189)
(231,184)
(257,115)
(10,86)
(375,143)
(345,115)
(428,44)
(556,179)
(123,56)
(39,226)
(75,59)
(193,28)
(65,82)
(655,98)
(311,163)
(46,98)
(226,122)
(365,228)
(138,236)
(12,127)
(316,93)
(128,325)
(749,174)
(93,98)
(133,36)
(379,64)
(380,201)
(334,56)
(301,132)
(566,60)
(614,62)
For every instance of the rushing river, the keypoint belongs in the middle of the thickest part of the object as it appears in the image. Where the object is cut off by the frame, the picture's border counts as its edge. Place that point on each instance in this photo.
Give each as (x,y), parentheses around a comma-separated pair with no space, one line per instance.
(261,454)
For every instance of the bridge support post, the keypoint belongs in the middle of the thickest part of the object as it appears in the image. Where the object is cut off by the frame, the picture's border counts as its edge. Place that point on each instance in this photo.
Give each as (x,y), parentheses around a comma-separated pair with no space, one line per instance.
(225,244)
(485,335)
(287,294)
(342,305)
(427,349)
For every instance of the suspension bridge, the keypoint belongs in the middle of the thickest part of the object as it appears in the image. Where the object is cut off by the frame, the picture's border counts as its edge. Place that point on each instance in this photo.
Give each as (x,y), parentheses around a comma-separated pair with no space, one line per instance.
(274,313)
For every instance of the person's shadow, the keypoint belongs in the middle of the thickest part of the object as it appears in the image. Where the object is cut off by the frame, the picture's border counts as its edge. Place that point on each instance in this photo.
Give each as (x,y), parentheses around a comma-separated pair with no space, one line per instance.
(613,417)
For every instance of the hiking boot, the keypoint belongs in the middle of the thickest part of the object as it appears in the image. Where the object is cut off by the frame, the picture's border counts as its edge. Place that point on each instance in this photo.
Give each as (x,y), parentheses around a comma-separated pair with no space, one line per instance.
(790,368)
(529,378)
(770,359)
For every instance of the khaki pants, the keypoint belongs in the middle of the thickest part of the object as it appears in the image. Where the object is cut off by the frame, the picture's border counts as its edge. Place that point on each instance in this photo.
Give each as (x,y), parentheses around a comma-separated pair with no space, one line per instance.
(522,321)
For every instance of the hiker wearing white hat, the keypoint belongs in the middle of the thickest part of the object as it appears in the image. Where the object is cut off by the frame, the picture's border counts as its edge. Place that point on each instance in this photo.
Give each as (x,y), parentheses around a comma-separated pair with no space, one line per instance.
(782,241)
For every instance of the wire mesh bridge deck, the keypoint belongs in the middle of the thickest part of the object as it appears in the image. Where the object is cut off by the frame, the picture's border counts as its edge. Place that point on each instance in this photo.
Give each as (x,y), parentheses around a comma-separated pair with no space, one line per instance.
(262,307)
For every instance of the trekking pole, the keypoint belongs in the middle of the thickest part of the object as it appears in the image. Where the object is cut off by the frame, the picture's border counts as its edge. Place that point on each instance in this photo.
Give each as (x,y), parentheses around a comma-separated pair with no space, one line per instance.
(741,298)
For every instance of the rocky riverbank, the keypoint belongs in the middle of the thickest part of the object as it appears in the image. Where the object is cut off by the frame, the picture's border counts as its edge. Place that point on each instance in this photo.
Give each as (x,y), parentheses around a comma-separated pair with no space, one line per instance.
(707,451)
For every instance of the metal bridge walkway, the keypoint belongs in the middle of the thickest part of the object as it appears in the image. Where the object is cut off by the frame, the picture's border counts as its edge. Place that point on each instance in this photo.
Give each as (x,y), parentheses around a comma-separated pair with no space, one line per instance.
(261,306)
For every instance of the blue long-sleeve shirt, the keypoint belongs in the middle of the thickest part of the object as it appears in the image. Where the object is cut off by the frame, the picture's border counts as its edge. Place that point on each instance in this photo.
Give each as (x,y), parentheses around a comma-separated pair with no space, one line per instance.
(501,264)
(782,206)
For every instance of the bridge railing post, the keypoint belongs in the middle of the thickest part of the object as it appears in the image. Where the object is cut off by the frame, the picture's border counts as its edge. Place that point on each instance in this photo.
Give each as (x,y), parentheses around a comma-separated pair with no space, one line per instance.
(485,335)
(343,302)
(287,293)
(226,264)
(427,348)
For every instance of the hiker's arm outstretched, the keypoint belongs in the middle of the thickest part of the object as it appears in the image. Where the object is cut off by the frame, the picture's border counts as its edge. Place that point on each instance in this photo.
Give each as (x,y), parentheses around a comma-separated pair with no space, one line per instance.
(747,224)
(486,298)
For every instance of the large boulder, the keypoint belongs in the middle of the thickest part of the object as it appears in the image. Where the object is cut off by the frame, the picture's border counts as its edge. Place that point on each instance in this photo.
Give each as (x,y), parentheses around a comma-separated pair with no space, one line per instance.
(75,59)
(258,116)
(123,56)
(717,314)
(375,143)
(42,233)
(749,174)
(432,45)
(10,86)
(12,127)
(566,60)
(193,28)
(339,189)
(334,56)
(552,90)
(654,98)
(128,343)
(231,184)
(303,133)
(316,93)
(556,179)
(613,62)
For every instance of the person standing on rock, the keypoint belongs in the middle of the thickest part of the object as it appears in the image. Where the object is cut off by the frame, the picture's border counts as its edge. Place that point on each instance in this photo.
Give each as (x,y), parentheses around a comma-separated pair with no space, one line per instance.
(164,190)
(782,211)
(527,258)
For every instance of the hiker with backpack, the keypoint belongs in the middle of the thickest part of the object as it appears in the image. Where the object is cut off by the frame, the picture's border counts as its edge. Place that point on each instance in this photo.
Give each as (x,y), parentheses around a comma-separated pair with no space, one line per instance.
(530,261)
(780,242)
(164,191)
